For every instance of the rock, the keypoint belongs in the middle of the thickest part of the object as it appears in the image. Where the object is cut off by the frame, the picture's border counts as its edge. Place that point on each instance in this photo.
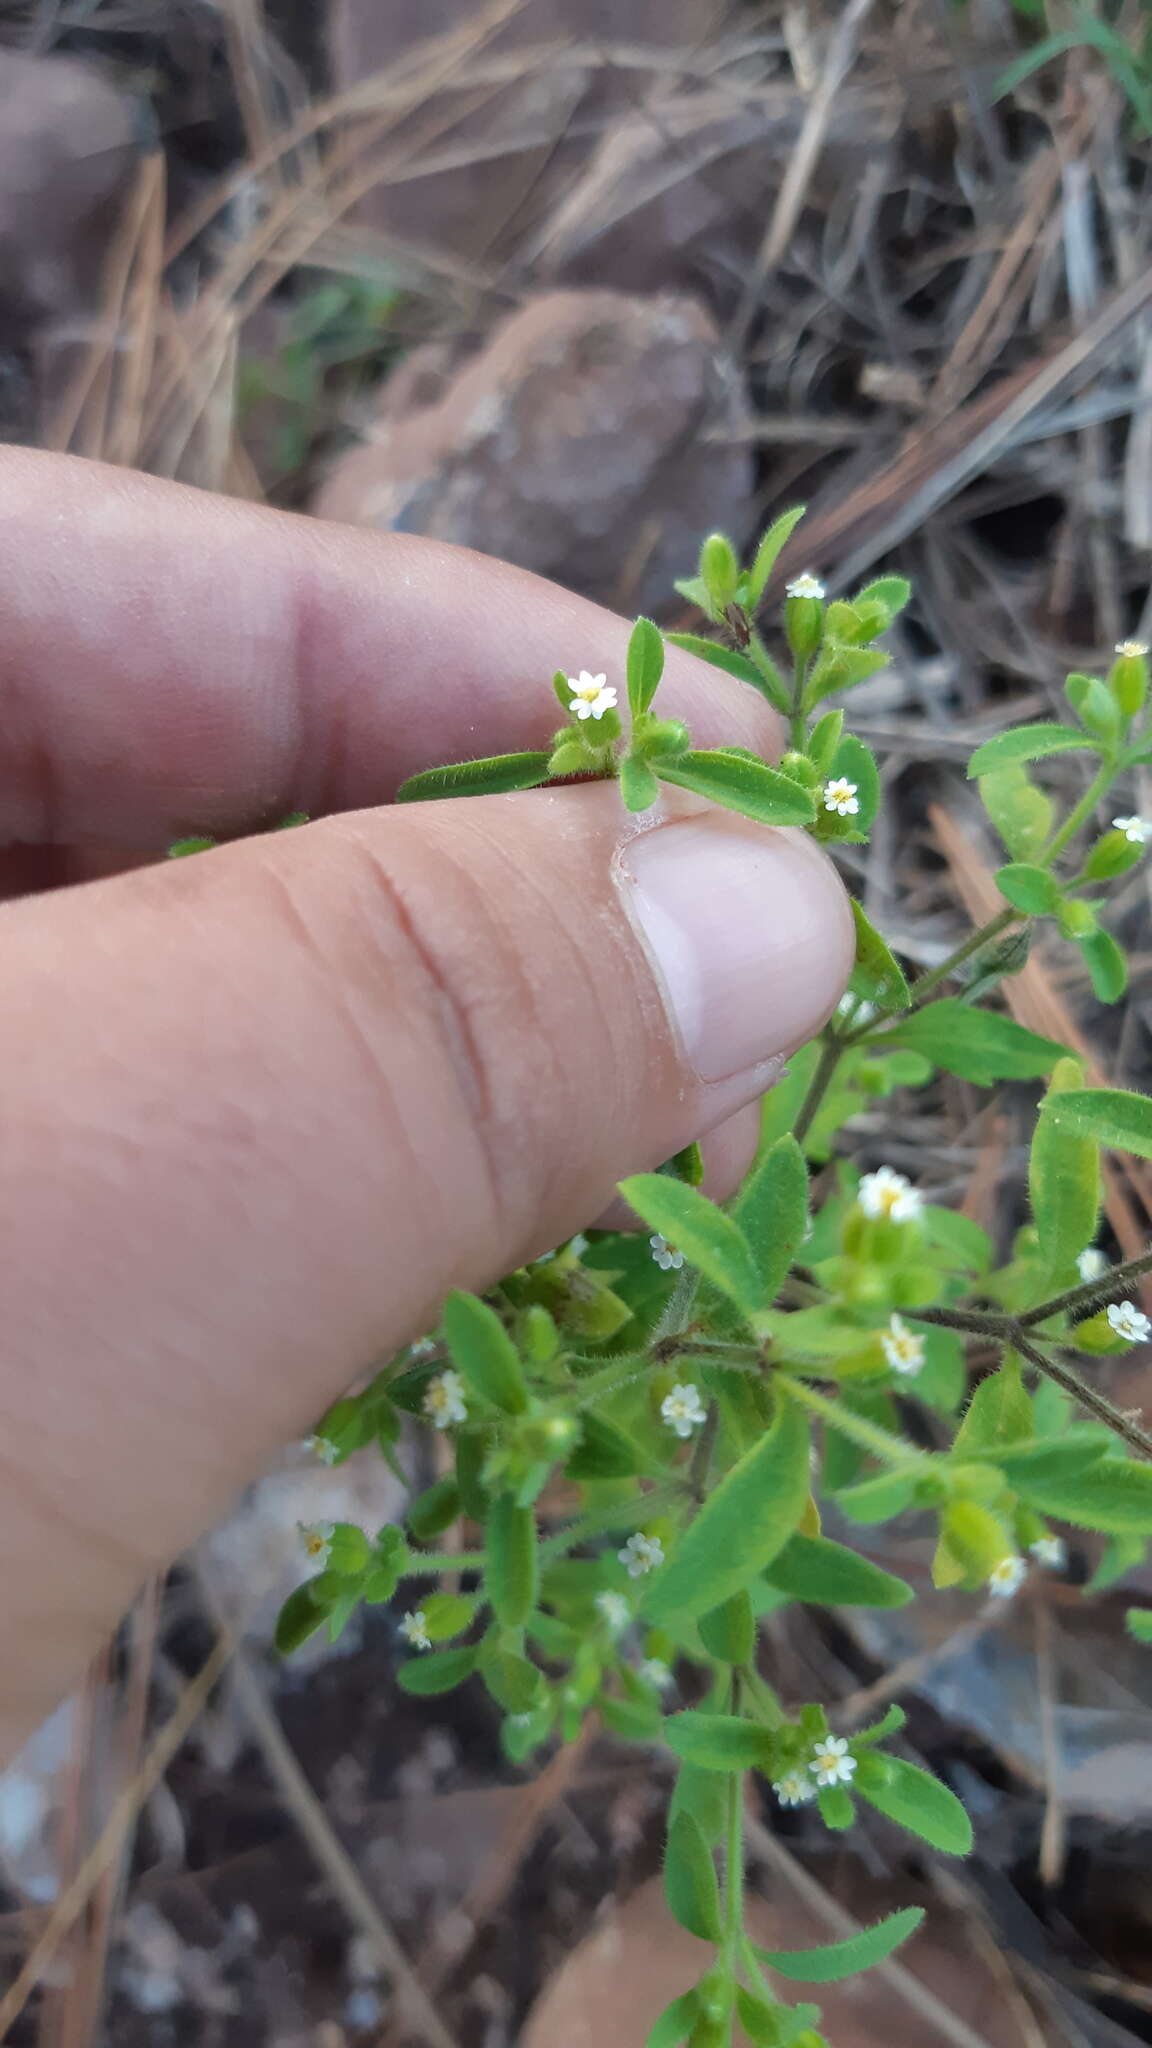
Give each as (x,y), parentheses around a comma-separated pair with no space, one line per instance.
(68,147)
(576,443)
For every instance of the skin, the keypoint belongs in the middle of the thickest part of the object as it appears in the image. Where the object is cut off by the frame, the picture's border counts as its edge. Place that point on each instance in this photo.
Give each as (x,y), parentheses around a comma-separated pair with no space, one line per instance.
(264,1106)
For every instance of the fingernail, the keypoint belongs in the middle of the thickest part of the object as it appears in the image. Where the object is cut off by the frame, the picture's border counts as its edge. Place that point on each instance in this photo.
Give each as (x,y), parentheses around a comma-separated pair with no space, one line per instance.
(749,933)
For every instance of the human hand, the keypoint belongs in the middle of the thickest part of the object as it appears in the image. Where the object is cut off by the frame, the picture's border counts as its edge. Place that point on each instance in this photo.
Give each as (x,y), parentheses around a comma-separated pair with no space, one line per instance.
(265,1106)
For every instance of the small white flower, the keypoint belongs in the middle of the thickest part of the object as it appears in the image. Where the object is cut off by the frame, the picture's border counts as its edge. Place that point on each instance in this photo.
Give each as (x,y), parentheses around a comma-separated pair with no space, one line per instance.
(422,1348)
(666,1255)
(1128,1322)
(1133,649)
(683,1410)
(794,1789)
(323,1448)
(1007,1577)
(316,1538)
(805,586)
(887,1194)
(578,1245)
(414,1629)
(840,796)
(654,1671)
(444,1401)
(1050,1551)
(592,696)
(1138,830)
(831,1763)
(614,1609)
(641,1554)
(1091,1264)
(901,1346)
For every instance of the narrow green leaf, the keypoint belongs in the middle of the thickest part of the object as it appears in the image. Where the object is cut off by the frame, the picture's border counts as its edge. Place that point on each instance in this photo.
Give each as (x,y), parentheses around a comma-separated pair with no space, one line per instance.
(1113,1496)
(436,1671)
(717,1742)
(760,2021)
(915,1800)
(741,1526)
(844,1958)
(704,1795)
(1139,1620)
(1028,888)
(675,2023)
(771,1212)
(1028,743)
(893,592)
(604,1452)
(840,668)
(1021,813)
(741,784)
(435,1509)
(484,1352)
(303,1612)
(1113,1116)
(705,1235)
(877,975)
(879,1499)
(837,1807)
(492,777)
(447,1614)
(639,787)
(513,1681)
(764,560)
(1107,966)
(690,1880)
(727,658)
(1049,1461)
(645,665)
(1094,705)
(1063,1179)
(815,1569)
(1000,1412)
(511,1578)
(979,1045)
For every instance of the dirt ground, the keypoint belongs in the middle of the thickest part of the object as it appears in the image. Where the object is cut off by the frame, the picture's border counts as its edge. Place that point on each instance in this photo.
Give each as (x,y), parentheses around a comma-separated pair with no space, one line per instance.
(428,265)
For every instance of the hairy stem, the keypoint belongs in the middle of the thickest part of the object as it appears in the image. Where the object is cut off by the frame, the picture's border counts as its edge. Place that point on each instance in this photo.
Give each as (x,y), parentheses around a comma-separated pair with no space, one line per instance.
(1080,813)
(1093,1295)
(818,1086)
(1096,1403)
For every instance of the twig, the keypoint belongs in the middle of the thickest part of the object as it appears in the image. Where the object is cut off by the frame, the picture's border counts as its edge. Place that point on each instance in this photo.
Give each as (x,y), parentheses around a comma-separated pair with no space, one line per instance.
(906,1675)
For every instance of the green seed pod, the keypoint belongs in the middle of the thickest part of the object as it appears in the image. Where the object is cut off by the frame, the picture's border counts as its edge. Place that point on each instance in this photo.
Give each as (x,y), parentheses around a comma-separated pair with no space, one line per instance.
(719,569)
(1128,677)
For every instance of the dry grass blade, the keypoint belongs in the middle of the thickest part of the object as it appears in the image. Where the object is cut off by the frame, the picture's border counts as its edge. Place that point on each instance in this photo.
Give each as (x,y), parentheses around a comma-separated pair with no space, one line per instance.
(116,1831)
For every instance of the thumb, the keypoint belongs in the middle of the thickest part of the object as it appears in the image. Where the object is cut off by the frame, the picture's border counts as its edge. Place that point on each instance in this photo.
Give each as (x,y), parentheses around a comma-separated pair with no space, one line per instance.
(268,1104)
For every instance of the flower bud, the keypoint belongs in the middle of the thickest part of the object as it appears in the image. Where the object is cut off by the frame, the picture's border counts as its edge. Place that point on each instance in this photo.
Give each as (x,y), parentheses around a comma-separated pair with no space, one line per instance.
(1128,677)
(804,616)
(719,569)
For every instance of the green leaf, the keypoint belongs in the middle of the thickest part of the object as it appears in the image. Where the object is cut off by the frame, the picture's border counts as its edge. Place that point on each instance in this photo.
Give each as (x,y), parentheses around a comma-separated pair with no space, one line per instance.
(741,1526)
(764,560)
(492,777)
(1139,1620)
(979,1045)
(1021,813)
(639,787)
(675,2023)
(704,1795)
(635,1720)
(712,651)
(892,592)
(837,1808)
(513,1681)
(815,1569)
(1050,1461)
(1094,705)
(915,1800)
(436,1671)
(604,1452)
(435,1509)
(512,1575)
(1028,743)
(1063,1179)
(999,1412)
(771,1212)
(1029,889)
(348,1551)
(1113,854)
(759,2020)
(878,1499)
(841,668)
(1113,1496)
(303,1612)
(824,739)
(844,1958)
(857,763)
(645,667)
(728,1632)
(706,1236)
(690,1880)
(1114,1116)
(741,784)
(447,1614)
(718,1742)
(1106,965)
(484,1352)
(181,848)
(877,975)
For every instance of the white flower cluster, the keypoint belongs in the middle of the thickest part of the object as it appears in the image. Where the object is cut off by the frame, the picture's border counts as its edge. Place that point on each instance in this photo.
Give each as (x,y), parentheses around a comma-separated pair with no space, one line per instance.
(831,1763)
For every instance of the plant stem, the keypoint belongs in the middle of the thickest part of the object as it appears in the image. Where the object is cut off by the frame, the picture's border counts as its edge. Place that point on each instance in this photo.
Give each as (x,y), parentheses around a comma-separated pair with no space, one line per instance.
(703,1448)
(734,1861)
(1092,1295)
(1080,812)
(889,1449)
(818,1086)
(927,984)
(1097,1404)
(428,1563)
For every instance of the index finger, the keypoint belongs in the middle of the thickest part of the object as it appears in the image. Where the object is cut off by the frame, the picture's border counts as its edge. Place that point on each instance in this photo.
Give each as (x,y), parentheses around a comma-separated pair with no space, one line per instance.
(174,662)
